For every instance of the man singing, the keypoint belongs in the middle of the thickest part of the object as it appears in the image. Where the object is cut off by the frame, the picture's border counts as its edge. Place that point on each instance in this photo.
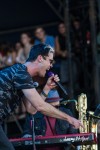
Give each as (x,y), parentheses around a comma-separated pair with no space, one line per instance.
(16,81)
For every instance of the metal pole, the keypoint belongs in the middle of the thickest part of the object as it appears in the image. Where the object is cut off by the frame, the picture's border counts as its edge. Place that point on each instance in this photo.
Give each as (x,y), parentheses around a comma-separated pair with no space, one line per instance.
(68,45)
(94,50)
(27,28)
(54,9)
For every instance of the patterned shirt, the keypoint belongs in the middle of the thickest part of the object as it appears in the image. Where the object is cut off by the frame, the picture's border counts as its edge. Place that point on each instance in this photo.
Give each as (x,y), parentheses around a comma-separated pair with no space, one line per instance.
(12,80)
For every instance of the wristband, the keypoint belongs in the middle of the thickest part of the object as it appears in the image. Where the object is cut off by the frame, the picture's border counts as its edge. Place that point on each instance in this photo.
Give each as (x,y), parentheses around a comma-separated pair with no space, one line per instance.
(44,94)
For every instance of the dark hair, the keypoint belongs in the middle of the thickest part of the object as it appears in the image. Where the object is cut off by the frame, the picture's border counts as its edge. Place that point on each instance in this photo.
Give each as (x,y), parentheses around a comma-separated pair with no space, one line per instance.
(39,27)
(29,35)
(61,22)
(40,49)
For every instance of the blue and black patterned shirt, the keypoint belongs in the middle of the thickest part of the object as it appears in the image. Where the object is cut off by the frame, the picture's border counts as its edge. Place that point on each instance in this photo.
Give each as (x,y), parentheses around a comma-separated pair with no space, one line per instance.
(12,80)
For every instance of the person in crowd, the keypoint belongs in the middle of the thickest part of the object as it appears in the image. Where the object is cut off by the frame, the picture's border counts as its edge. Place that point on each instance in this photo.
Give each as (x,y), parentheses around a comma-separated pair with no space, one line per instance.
(7,55)
(48,126)
(26,42)
(77,39)
(42,37)
(16,82)
(18,46)
(2,57)
(10,57)
(81,47)
(61,53)
(19,50)
(61,50)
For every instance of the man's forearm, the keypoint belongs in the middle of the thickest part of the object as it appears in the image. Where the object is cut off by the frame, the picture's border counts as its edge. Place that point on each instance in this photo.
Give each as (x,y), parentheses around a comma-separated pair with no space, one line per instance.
(47,109)
(38,103)
(51,111)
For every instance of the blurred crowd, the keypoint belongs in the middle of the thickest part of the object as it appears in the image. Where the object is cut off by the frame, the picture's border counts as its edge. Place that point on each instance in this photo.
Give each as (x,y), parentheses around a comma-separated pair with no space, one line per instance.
(18,52)
(80,50)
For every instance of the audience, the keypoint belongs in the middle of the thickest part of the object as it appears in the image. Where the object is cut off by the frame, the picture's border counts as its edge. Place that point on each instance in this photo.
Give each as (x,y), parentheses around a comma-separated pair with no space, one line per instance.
(23,50)
(61,53)
(41,36)
(7,55)
(10,58)
(61,50)
(77,39)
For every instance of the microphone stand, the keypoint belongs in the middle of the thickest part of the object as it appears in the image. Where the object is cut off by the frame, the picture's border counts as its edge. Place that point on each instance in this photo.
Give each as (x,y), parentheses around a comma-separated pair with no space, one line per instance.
(36,84)
(33,133)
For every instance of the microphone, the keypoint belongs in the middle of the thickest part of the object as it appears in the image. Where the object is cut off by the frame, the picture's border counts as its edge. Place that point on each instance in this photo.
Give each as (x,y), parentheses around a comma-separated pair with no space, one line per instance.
(97,111)
(36,84)
(58,83)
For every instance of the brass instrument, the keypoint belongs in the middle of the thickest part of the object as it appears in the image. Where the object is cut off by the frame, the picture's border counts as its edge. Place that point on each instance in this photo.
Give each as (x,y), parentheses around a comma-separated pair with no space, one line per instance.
(89,125)
(82,108)
(93,127)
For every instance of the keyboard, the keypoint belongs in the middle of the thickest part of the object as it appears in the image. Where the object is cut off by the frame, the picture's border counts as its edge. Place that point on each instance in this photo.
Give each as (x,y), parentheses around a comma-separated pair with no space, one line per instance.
(75,139)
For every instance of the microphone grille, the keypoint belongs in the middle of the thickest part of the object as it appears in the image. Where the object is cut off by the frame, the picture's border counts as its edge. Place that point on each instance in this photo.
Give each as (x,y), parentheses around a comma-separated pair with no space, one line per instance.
(50,74)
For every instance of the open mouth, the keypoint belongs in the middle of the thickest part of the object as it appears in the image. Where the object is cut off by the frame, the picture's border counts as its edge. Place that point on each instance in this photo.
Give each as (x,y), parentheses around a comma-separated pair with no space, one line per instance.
(48,69)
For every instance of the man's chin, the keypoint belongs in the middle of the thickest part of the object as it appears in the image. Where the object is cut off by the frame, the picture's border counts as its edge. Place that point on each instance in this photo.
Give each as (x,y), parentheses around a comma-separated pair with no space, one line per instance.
(42,75)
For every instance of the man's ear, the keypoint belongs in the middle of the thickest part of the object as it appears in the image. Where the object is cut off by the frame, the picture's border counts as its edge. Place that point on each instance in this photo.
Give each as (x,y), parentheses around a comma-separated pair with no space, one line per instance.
(40,58)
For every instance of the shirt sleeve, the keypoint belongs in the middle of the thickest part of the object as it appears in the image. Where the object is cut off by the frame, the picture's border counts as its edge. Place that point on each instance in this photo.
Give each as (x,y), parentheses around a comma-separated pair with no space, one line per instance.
(22,80)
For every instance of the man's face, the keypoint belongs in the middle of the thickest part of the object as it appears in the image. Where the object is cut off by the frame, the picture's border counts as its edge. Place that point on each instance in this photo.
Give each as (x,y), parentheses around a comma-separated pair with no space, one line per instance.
(46,64)
(40,33)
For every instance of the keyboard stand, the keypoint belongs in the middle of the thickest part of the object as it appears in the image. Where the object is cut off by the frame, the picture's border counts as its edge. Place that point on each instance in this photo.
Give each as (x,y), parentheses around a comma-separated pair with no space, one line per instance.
(33,133)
